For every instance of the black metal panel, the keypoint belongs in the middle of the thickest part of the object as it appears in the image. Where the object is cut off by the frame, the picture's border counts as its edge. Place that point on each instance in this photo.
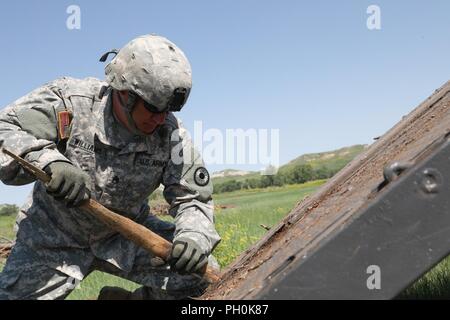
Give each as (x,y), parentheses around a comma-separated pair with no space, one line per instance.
(404,231)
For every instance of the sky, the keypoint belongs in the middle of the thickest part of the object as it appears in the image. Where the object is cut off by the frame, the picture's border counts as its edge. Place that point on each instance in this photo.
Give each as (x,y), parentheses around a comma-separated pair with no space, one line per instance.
(311,69)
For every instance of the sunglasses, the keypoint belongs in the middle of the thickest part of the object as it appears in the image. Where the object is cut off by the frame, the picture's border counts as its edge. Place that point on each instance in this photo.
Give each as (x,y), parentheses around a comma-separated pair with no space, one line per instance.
(176,102)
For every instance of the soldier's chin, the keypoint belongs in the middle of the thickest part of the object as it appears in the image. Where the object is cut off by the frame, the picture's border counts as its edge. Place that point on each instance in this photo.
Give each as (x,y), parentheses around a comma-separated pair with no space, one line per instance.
(148,131)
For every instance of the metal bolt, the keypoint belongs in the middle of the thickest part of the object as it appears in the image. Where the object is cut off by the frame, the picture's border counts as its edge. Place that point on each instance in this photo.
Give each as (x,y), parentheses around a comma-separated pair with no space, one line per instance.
(395,169)
(431,180)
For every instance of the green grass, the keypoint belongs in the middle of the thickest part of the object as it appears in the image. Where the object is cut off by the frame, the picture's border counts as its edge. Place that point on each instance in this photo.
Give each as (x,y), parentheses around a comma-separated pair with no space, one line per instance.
(90,287)
(240,226)
(6,226)
(435,284)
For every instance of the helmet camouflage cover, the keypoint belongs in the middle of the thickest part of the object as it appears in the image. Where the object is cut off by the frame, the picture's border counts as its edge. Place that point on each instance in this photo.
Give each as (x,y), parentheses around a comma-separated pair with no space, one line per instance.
(155,69)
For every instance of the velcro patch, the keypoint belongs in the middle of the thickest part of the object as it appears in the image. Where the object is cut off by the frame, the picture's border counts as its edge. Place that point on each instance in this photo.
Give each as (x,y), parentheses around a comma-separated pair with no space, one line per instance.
(64,119)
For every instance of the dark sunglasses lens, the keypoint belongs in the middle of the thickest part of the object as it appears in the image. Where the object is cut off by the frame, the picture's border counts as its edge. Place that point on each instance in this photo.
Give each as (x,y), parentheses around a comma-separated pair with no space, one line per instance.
(151,108)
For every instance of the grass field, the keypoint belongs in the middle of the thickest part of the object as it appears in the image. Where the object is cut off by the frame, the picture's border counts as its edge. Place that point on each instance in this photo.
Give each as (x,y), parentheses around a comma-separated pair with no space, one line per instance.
(433,285)
(7,226)
(240,227)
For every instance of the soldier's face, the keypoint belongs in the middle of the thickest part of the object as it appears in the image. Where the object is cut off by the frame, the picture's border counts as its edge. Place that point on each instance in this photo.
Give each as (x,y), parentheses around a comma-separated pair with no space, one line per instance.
(145,120)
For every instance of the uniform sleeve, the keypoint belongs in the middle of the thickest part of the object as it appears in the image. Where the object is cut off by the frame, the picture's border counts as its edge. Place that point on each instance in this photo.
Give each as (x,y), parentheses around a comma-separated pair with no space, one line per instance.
(188,189)
(28,128)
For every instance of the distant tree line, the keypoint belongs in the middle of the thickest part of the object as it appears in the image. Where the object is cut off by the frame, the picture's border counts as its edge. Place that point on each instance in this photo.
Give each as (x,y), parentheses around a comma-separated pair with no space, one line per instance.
(8,210)
(292,175)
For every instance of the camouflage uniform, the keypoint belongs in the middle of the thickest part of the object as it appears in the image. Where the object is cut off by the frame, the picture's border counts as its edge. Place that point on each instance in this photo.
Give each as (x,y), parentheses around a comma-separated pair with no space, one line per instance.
(57,245)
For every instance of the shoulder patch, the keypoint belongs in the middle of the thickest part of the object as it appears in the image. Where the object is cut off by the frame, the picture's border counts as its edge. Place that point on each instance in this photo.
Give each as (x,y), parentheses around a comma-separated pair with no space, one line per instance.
(64,120)
(201,176)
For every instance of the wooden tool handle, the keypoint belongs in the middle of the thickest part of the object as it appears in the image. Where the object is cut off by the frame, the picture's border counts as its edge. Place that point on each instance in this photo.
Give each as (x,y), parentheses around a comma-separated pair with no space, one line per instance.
(137,233)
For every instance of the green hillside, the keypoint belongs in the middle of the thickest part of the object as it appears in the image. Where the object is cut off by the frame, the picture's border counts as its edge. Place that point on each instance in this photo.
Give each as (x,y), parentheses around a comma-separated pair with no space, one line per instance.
(308,167)
(217,180)
(334,160)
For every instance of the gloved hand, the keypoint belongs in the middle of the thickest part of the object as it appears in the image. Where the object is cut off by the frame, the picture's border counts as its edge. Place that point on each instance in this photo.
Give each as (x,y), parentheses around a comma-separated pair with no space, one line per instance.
(187,255)
(68,183)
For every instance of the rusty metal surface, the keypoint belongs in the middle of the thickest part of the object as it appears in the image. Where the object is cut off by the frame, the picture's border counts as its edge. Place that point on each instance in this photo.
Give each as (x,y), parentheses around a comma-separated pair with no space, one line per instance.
(336,202)
(400,234)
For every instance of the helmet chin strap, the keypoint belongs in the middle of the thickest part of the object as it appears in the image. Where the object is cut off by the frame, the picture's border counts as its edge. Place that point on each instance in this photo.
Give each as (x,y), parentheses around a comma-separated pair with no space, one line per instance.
(127,108)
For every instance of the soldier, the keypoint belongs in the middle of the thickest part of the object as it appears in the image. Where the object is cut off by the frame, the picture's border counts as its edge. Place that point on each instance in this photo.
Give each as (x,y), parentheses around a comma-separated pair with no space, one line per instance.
(115,142)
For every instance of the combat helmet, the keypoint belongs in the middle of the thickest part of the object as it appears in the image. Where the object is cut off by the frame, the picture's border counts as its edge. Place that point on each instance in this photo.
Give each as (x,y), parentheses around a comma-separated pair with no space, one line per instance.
(153,68)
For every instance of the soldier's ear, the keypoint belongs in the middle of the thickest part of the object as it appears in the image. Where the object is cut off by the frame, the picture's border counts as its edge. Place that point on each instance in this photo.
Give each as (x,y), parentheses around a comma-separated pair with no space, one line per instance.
(123,94)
